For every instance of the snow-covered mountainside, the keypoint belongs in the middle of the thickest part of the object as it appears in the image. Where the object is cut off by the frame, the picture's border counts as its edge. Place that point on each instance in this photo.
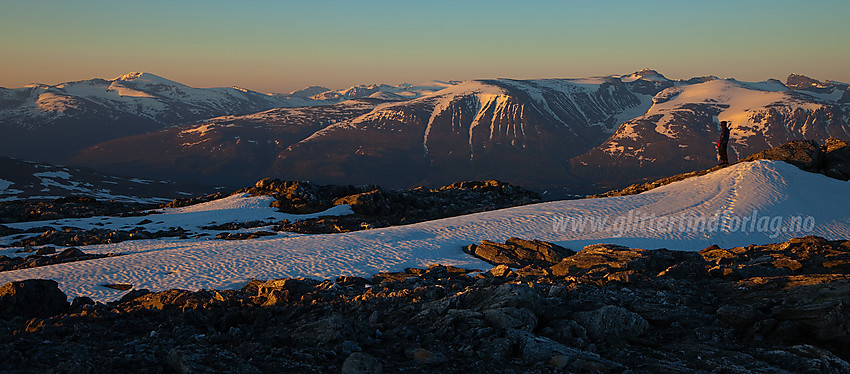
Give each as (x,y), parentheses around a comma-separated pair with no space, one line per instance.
(748,203)
(486,129)
(679,131)
(45,122)
(228,150)
(586,134)
(29,180)
(524,131)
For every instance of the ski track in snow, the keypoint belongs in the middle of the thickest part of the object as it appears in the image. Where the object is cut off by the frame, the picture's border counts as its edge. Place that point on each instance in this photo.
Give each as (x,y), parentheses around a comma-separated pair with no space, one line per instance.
(764,188)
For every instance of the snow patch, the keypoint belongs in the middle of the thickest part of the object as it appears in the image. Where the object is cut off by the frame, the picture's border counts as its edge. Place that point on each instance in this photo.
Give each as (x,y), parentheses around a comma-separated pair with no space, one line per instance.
(126,91)
(739,101)
(53,174)
(200,130)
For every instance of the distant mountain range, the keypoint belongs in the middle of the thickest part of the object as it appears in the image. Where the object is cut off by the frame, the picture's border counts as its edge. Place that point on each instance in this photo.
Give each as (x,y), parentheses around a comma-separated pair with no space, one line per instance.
(51,122)
(583,134)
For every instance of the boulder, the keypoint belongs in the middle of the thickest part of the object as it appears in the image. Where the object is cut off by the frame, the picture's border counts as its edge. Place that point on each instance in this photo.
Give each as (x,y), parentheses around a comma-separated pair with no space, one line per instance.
(173,299)
(535,349)
(511,318)
(504,296)
(329,330)
(837,159)
(612,323)
(519,253)
(427,357)
(601,259)
(361,363)
(369,203)
(285,290)
(804,255)
(44,251)
(500,271)
(805,154)
(70,253)
(32,298)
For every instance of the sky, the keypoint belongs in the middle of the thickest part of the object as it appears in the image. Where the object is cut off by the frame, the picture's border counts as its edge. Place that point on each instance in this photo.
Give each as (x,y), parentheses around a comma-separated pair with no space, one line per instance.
(282,46)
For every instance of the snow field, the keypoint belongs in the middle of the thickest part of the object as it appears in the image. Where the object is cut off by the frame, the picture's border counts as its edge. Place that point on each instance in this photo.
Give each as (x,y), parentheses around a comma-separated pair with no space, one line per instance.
(756,189)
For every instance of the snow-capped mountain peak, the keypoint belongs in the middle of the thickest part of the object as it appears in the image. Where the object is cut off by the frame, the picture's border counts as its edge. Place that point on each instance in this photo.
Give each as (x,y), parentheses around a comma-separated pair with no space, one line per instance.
(130,76)
(143,77)
(645,74)
(309,91)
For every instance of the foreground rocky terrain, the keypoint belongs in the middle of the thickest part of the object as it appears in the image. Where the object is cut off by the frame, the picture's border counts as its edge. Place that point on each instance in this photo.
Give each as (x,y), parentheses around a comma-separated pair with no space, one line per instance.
(605,309)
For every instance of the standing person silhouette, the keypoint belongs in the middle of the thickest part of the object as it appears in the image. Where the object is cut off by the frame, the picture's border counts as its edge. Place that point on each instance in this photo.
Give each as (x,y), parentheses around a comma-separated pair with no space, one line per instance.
(723,143)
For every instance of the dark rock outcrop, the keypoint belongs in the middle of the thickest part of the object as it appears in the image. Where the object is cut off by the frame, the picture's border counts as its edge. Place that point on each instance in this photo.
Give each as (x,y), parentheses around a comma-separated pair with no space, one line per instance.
(65,207)
(518,253)
(48,256)
(837,159)
(804,154)
(31,298)
(74,236)
(375,207)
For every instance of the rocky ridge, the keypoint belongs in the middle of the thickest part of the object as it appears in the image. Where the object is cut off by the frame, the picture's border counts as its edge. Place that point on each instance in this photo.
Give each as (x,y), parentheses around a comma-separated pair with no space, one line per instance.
(66,207)
(831,159)
(47,256)
(376,207)
(606,309)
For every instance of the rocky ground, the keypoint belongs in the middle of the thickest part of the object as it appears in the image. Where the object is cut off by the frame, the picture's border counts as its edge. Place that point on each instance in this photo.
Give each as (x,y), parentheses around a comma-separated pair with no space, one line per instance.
(75,236)
(606,309)
(375,207)
(65,207)
(47,256)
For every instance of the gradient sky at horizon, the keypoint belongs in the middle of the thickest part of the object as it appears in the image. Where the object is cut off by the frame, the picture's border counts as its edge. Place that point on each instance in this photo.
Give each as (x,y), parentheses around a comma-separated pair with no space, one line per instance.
(281,46)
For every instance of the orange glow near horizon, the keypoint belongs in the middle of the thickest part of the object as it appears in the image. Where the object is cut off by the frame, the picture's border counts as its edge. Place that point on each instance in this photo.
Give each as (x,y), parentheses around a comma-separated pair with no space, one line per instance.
(273,47)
